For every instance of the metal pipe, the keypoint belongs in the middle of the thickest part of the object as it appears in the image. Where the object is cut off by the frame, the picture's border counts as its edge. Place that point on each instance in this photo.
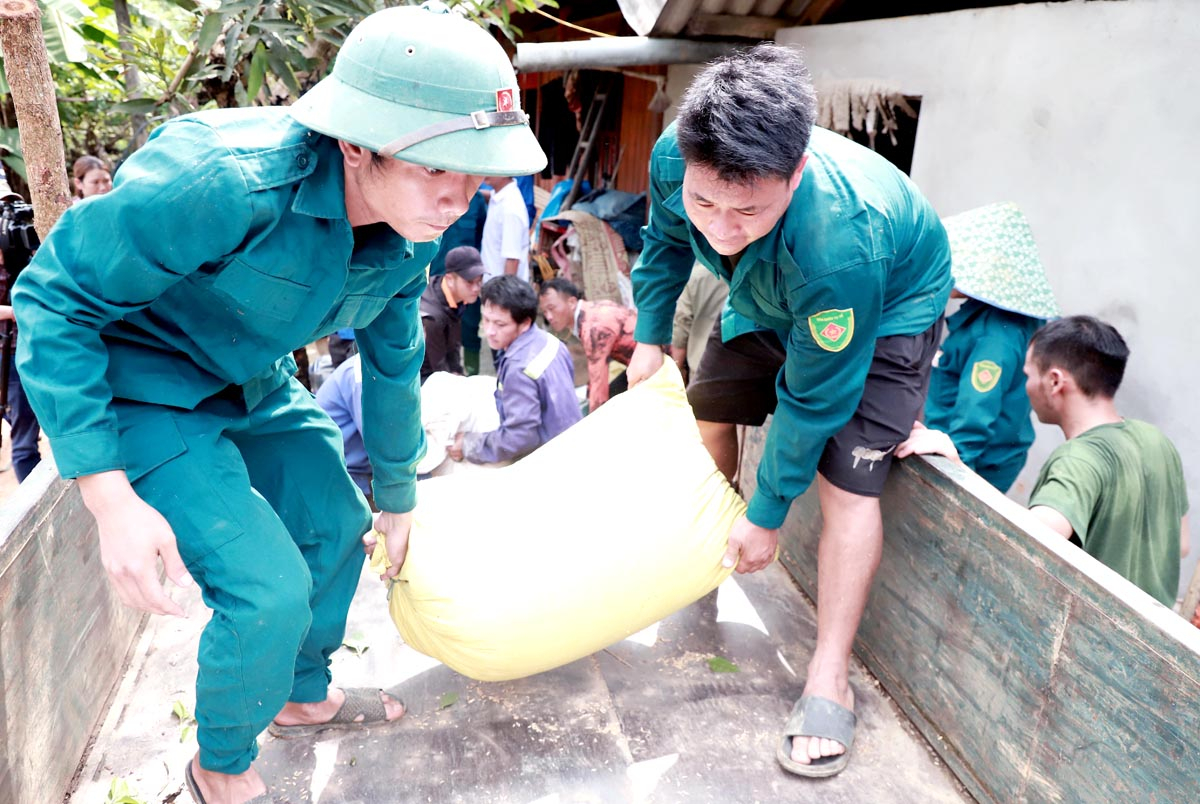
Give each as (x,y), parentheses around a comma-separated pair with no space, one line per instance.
(616,51)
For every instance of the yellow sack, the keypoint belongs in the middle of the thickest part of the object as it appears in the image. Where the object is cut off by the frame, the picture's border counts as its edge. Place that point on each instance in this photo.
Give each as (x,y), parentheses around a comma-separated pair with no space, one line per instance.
(613,525)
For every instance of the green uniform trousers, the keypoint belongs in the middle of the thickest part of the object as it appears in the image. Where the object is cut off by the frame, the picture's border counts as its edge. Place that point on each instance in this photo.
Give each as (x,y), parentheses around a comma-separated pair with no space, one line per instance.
(268,523)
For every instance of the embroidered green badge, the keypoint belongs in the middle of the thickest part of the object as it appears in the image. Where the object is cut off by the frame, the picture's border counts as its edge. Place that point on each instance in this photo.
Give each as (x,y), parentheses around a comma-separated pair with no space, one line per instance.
(832,329)
(984,376)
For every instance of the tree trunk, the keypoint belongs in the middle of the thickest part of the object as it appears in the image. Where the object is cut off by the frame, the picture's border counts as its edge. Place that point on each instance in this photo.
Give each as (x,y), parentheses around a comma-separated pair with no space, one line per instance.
(133,79)
(27,66)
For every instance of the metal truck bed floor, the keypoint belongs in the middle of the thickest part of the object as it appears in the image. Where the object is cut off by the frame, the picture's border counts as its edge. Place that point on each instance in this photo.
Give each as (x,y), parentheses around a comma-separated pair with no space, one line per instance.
(645,721)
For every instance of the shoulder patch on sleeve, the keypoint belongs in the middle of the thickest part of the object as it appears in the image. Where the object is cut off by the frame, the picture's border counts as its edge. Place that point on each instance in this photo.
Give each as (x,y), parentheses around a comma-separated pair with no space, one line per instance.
(985,374)
(832,329)
(542,360)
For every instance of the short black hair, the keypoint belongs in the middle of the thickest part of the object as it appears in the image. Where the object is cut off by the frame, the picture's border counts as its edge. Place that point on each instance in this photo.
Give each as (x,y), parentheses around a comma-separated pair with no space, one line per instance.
(749,115)
(1088,349)
(564,286)
(513,294)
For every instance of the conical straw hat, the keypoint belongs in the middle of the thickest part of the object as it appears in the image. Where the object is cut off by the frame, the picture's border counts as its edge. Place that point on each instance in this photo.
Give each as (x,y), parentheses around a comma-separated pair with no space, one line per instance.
(995,260)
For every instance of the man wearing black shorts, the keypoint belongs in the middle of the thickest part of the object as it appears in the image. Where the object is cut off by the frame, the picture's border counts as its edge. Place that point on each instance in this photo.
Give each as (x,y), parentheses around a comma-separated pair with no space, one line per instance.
(838,272)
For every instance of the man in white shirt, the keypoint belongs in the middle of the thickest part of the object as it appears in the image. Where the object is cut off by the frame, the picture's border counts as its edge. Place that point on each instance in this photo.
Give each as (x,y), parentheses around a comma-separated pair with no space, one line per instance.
(505,247)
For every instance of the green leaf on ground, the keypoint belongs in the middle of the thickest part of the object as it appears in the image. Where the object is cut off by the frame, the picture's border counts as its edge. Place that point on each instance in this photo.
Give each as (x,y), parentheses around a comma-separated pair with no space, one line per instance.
(119,792)
(448,699)
(356,644)
(180,710)
(719,664)
(187,720)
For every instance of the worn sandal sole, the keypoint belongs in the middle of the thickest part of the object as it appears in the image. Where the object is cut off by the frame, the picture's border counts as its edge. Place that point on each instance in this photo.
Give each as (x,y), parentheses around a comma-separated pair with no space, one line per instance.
(356,699)
(813,716)
(193,789)
(189,779)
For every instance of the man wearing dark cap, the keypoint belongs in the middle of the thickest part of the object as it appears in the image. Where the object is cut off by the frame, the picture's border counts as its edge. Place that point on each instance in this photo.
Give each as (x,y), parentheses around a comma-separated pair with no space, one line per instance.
(442,306)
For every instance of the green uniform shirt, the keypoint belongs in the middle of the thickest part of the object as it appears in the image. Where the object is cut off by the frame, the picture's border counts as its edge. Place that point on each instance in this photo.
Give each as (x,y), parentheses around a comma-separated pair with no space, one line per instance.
(977,390)
(1121,487)
(223,246)
(858,255)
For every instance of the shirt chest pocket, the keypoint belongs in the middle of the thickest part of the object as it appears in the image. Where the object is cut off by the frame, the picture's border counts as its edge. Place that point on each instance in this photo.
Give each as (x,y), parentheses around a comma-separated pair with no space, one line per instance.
(258,292)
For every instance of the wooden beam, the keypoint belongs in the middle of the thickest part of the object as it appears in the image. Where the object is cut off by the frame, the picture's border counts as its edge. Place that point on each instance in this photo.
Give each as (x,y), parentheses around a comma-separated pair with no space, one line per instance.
(611,23)
(730,25)
(817,10)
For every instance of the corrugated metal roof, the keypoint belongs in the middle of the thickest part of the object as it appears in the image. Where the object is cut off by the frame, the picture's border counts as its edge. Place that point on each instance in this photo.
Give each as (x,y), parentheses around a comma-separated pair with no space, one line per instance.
(721,18)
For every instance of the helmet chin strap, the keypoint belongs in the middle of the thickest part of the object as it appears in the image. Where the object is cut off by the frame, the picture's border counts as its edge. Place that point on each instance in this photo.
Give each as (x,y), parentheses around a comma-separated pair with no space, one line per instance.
(476,120)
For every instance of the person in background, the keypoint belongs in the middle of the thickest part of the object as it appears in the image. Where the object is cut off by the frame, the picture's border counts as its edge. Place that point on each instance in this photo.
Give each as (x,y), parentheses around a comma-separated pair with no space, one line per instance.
(535,378)
(24,430)
(466,231)
(977,389)
(340,397)
(505,247)
(838,272)
(159,360)
(1115,487)
(697,318)
(604,328)
(91,176)
(442,306)
(525,185)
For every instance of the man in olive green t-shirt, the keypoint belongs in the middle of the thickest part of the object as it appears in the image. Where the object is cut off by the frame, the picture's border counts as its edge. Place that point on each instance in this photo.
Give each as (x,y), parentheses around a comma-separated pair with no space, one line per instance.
(1116,486)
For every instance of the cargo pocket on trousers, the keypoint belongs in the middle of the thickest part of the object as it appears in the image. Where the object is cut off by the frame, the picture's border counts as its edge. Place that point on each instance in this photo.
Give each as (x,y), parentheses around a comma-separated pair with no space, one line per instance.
(200,519)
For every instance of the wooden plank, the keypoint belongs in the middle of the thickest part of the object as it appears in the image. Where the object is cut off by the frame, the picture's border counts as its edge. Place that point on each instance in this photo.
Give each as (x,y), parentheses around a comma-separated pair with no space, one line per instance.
(63,637)
(646,720)
(733,25)
(1120,724)
(640,127)
(1037,673)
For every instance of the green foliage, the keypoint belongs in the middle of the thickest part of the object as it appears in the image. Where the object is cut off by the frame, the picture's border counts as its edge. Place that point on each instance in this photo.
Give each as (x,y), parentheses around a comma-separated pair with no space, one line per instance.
(448,699)
(119,792)
(719,664)
(10,151)
(356,644)
(196,54)
(187,720)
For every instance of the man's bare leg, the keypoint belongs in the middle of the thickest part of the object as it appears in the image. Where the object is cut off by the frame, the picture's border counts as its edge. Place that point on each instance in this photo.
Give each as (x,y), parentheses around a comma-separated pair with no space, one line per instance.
(847,557)
(721,441)
(224,788)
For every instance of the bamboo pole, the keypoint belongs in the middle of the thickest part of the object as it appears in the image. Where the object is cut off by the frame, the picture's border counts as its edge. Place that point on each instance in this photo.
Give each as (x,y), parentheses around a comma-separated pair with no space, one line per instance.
(27,66)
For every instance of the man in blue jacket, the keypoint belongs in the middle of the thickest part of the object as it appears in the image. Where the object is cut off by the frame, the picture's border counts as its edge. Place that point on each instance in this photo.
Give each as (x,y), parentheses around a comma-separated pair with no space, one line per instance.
(535,385)
(159,320)
(838,271)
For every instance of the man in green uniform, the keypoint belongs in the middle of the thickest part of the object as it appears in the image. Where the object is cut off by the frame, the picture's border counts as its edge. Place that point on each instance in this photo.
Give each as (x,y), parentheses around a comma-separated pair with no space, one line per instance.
(838,272)
(977,390)
(1116,487)
(156,317)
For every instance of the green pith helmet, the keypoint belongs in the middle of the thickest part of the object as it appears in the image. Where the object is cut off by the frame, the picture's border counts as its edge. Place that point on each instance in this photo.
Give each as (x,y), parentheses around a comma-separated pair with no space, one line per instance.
(425,86)
(995,260)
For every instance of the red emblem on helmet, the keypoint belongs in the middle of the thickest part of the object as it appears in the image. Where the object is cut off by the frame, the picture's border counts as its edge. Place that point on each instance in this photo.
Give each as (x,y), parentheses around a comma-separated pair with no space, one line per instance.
(504,100)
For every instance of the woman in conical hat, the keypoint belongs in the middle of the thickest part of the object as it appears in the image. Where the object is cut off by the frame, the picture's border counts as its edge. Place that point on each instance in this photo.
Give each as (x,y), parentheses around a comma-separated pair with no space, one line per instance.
(977,389)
